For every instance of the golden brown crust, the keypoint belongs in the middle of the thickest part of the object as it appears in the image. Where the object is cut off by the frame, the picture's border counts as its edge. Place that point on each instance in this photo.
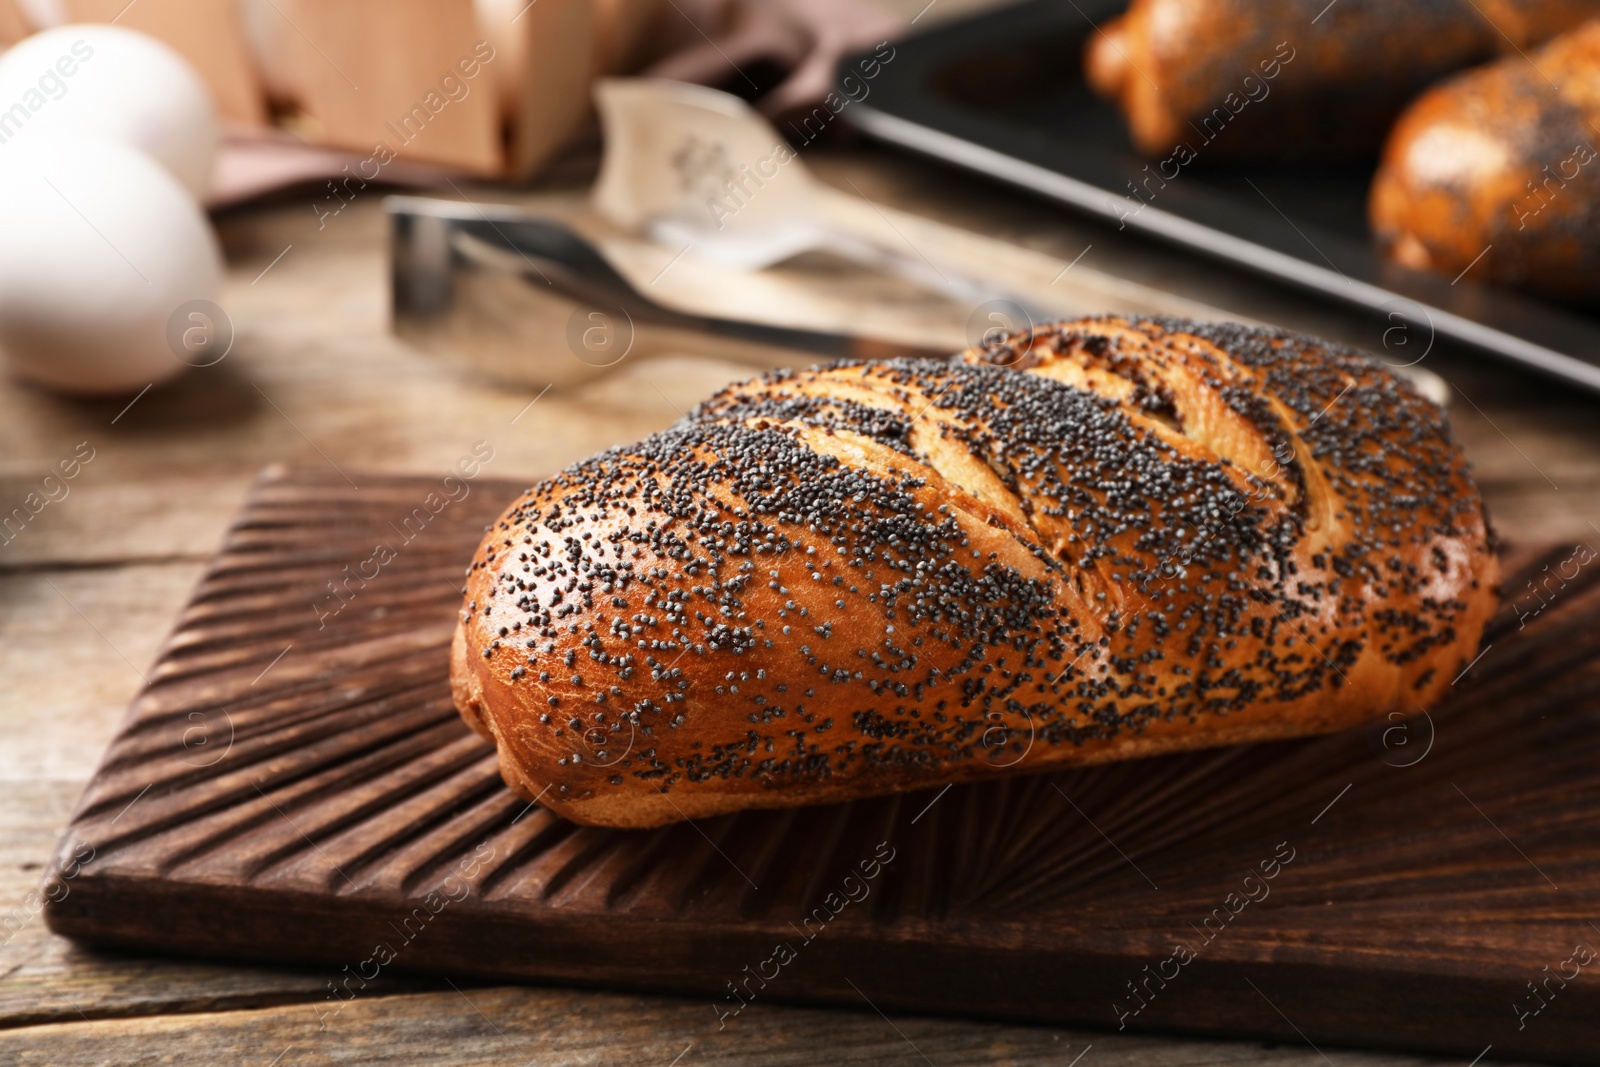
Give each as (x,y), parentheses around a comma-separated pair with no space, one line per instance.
(1497,169)
(1106,539)
(1271,78)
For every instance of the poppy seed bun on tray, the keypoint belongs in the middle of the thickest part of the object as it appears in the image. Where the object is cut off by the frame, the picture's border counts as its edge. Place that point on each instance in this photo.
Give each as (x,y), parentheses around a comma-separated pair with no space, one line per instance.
(1494,174)
(1268,78)
(1103,539)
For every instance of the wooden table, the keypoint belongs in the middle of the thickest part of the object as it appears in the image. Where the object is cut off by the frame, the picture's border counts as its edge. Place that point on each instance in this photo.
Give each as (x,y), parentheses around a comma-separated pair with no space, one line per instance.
(89,588)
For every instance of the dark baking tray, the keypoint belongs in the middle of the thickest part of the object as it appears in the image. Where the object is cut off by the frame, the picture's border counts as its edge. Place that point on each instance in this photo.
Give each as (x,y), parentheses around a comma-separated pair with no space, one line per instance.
(1002,93)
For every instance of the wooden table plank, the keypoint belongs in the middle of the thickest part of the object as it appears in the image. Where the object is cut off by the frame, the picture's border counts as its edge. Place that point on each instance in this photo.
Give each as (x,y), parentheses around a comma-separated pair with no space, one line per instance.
(539,1027)
(73,648)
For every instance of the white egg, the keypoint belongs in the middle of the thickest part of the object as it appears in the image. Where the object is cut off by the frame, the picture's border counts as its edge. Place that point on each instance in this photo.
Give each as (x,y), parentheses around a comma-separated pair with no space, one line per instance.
(100,251)
(105,81)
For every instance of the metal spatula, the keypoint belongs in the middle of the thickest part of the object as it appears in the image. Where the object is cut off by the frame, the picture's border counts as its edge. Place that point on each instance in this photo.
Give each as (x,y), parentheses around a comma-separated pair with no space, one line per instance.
(697,168)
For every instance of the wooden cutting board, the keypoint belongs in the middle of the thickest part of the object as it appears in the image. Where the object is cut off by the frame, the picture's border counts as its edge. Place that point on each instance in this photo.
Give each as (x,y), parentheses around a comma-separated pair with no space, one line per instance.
(293,785)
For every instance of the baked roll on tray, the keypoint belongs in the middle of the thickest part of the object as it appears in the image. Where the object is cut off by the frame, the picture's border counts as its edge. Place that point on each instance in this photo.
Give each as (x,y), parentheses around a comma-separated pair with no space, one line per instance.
(1104,539)
(1218,79)
(1497,170)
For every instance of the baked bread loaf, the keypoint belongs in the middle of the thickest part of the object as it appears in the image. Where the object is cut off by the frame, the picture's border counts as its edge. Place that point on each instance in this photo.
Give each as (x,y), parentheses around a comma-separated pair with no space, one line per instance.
(1271,78)
(1103,539)
(1497,170)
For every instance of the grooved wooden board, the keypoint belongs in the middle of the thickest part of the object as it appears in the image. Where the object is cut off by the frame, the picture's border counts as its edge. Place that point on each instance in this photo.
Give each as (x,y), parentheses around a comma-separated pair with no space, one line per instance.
(293,785)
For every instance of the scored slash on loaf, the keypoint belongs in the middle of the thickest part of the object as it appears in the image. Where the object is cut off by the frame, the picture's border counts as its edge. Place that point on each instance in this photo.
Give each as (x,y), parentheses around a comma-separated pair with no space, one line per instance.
(1094,541)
